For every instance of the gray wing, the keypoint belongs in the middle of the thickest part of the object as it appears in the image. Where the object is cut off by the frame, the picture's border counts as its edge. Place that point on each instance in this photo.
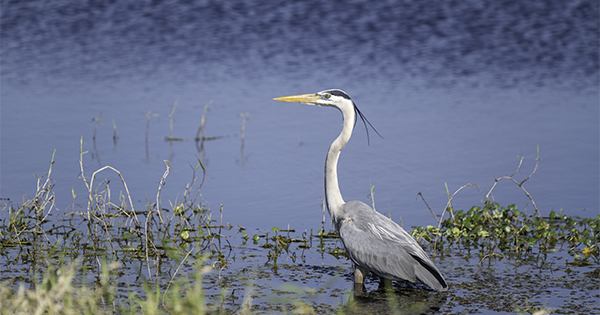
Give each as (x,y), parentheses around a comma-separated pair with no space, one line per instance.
(375,242)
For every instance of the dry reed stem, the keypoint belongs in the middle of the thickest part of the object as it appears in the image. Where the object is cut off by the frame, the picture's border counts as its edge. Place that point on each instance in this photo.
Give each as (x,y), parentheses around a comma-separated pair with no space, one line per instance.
(194,179)
(520,184)
(176,272)
(149,215)
(44,198)
(202,122)
(172,118)
(46,192)
(428,207)
(90,199)
(449,203)
(160,184)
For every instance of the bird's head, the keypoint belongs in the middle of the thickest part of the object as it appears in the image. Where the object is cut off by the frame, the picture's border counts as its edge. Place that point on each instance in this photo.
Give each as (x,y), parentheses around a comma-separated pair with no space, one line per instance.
(334,98)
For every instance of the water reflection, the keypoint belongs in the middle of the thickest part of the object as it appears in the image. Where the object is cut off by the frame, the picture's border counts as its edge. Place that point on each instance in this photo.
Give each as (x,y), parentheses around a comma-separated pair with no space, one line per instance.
(243,157)
(149,115)
(96,154)
(398,300)
(115,136)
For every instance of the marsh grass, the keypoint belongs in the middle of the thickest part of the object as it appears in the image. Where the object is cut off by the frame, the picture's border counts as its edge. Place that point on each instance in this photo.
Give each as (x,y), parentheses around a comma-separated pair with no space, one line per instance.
(61,293)
(114,231)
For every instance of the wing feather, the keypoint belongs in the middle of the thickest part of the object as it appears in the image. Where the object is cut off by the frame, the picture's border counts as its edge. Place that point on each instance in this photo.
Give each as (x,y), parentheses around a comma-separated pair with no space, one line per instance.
(377,243)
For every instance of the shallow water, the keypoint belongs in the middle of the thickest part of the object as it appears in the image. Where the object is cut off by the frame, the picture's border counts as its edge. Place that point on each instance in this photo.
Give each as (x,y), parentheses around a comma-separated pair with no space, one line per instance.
(317,278)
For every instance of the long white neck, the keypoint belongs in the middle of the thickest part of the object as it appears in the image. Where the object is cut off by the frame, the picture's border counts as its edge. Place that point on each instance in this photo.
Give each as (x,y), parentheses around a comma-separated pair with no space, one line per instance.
(333,196)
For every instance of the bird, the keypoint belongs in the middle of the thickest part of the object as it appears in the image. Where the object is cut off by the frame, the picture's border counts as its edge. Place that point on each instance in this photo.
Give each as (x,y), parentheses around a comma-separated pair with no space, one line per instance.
(373,242)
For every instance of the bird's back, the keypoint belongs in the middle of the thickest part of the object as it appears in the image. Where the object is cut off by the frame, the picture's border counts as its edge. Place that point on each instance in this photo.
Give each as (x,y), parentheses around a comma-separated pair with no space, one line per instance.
(378,244)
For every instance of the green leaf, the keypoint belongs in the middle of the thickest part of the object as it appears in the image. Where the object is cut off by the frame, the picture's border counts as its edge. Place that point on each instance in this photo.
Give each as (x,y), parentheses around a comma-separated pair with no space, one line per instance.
(185,235)
(467,223)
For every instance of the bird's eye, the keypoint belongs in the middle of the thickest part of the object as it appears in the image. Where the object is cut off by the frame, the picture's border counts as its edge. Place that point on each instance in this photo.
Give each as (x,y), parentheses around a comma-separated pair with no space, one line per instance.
(326,96)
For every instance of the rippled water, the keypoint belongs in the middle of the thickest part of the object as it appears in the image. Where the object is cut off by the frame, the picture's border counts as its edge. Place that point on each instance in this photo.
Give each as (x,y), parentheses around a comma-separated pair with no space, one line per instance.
(522,42)
(457,89)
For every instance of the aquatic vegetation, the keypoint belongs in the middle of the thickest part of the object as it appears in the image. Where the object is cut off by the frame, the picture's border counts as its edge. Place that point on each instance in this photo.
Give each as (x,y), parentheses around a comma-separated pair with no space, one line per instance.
(506,232)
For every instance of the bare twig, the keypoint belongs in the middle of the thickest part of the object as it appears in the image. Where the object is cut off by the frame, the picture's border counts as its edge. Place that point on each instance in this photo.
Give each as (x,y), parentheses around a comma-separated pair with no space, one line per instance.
(81,153)
(372,197)
(449,203)
(201,183)
(520,184)
(91,185)
(47,187)
(42,204)
(160,184)
(428,207)
(221,222)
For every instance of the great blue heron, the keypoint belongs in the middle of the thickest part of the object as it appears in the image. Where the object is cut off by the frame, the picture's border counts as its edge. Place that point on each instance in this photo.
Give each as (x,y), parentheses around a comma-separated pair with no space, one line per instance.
(373,242)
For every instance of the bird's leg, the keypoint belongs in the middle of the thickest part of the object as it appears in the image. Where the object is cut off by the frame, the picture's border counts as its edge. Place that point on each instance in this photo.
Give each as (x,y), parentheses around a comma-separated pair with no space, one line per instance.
(360,274)
(384,284)
(359,279)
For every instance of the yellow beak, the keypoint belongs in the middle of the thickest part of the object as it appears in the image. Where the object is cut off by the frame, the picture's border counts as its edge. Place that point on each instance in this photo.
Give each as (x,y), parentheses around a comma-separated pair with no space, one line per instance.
(304,98)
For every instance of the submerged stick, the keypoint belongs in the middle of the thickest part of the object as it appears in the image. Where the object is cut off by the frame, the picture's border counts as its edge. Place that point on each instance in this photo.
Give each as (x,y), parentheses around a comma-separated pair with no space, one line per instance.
(202,122)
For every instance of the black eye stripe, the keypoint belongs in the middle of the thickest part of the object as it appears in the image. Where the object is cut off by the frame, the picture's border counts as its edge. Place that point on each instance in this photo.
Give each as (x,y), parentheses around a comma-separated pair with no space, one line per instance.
(337,93)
